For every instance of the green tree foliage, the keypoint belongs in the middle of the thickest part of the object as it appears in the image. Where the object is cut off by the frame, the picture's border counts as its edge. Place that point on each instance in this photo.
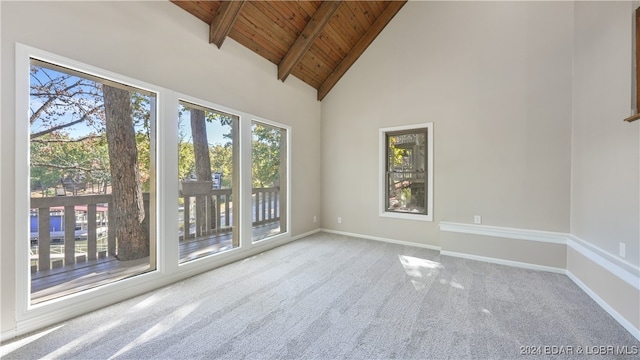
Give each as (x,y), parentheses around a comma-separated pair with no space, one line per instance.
(396,154)
(221,161)
(186,159)
(265,154)
(55,156)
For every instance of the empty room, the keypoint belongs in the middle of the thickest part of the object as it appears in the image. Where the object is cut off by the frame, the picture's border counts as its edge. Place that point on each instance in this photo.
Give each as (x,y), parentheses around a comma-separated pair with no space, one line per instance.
(319,179)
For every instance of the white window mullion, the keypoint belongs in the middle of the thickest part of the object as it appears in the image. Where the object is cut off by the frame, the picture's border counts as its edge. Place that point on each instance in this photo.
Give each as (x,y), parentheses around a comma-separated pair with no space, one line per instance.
(245,181)
(23,278)
(169,251)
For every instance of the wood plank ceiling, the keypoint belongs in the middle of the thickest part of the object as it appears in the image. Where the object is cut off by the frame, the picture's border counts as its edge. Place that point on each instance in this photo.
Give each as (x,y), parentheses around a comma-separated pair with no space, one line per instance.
(315,41)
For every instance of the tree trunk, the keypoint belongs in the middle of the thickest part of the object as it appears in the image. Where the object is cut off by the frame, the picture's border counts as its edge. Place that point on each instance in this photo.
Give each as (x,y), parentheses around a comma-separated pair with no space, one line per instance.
(200,145)
(128,206)
(203,168)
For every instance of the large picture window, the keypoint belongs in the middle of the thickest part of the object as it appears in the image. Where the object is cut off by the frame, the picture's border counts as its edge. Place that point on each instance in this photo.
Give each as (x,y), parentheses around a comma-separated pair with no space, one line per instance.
(121,184)
(92,154)
(407,163)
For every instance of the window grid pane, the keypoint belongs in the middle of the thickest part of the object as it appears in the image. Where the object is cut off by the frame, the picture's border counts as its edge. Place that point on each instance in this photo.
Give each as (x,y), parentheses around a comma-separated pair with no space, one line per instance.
(405,176)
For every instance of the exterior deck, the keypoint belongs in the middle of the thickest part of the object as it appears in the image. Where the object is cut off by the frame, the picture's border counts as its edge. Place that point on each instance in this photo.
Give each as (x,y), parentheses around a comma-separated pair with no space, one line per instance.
(63,262)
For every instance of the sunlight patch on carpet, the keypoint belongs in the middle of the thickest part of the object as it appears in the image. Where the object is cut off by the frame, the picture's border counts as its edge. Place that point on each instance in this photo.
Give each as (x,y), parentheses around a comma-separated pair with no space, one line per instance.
(419,269)
(88,339)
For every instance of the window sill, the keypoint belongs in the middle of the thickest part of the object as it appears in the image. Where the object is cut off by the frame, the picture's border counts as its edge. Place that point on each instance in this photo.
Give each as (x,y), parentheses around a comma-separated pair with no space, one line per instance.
(406,216)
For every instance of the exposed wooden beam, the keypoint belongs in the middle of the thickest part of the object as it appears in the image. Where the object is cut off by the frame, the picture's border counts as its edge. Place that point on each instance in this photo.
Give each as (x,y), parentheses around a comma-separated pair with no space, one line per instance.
(359,48)
(306,38)
(223,21)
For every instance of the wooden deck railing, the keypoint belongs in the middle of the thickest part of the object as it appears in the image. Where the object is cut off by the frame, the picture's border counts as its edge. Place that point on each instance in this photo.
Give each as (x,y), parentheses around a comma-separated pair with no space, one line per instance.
(266,205)
(42,238)
(213,208)
(213,215)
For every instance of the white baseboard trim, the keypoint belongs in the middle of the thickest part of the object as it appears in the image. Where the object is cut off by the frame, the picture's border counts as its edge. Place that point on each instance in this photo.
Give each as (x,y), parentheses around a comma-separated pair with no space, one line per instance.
(377,238)
(603,304)
(498,261)
(268,245)
(451,253)
(7,335)
(308,233)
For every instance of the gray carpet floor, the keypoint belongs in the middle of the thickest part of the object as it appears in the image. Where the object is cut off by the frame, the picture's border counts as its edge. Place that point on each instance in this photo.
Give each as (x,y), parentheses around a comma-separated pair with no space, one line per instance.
(334,297)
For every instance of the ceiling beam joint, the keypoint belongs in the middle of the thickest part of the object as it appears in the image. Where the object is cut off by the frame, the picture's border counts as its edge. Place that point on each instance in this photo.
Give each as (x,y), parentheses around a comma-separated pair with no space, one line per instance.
(306,38)
(223,21)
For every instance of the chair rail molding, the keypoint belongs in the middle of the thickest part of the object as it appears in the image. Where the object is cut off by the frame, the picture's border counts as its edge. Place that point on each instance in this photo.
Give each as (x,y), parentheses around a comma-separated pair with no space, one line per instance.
(505,232)
(617,266)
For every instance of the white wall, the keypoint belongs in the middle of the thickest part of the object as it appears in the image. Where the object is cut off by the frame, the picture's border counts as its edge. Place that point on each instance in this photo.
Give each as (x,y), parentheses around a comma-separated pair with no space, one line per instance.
(159,43)
(495,79)
(605,186)
(605,183)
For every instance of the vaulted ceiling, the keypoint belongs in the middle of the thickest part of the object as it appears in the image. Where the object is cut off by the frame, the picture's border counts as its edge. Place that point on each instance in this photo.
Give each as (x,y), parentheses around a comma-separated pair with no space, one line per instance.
(315,41)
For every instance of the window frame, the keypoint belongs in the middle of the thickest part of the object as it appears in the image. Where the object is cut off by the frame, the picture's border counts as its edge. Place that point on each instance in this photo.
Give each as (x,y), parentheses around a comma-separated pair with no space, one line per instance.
(239,118)
(26,310)
(121,82)
(285,186)
(382,171)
